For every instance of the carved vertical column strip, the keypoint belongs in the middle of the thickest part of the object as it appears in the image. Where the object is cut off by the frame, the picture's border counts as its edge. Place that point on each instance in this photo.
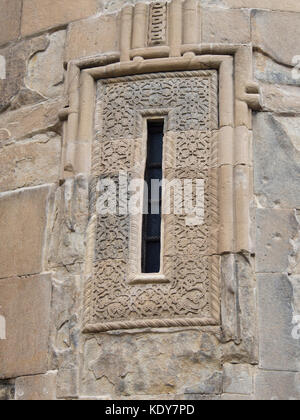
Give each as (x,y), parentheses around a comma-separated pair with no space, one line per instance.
(175,28)
(72,126)
(190,22)
(139,26)
(126,32)
(85,131)
(226,203)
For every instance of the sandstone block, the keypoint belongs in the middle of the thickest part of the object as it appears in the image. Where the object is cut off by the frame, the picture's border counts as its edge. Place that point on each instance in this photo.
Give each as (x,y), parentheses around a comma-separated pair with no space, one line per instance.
(238,379)
(25,305)
(272,386)
(226,26)
(10,20)
(275,230)
(267,34)
(32,162)
(268,71)
(101,35)
(287,5)
(276,179)
(278,349)
(280,98)
(39,15)
(22,123)
(23,221)
(36,388)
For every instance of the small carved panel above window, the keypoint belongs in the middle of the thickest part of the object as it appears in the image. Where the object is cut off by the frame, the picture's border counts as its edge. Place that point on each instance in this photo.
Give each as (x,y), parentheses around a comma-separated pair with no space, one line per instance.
(185,291)
(158,24)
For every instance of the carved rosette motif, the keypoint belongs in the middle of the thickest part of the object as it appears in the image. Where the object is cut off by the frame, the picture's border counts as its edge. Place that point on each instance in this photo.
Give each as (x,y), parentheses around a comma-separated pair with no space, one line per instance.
(189,102)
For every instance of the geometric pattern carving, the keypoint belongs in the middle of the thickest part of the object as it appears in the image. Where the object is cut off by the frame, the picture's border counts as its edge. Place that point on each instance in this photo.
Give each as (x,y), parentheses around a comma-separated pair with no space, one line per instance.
(158,24)
(191,295)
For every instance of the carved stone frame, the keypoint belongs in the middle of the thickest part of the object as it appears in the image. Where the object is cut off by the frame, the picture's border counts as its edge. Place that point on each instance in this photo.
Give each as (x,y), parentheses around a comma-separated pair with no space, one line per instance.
(238,95)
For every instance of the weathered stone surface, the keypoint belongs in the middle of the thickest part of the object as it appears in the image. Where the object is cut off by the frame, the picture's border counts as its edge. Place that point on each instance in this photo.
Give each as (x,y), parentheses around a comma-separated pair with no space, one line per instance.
(23,221)
(278,349)
(267,30)
(154,362)
(22,123)
(238,379)
(237,397)
(275,230)
(10,20)
(67,383)
(13,92)
(277,386)
(101,35)
(36,388)
(7,390)
(287,5)
(45,73)
(25,350)
(276,178)
(67,242)
(267,70)
(228,26)
(31,162)
(39,15)
(280,99)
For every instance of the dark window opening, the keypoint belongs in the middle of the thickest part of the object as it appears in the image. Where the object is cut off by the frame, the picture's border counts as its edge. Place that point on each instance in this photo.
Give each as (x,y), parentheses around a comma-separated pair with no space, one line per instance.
(151,239)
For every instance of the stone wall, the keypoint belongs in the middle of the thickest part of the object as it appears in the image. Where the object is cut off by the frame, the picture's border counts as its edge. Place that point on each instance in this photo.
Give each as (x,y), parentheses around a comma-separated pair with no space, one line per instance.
(44,220)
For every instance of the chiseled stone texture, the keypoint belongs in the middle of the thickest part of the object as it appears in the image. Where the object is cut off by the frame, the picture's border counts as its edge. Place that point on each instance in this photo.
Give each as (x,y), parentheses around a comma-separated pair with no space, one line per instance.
(238,379)
(23,219)
(25,304)
(10,20)
(149,363)
(267,34)
(276,181)
(101,34)
(36,388)
(39,15)
(278,349)
(30,162)
(277,386)
(268,71)
(226,26)
(13,91)
(276,229)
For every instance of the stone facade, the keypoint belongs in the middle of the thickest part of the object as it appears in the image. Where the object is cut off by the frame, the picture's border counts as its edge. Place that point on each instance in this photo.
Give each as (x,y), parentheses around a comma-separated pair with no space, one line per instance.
(77,318)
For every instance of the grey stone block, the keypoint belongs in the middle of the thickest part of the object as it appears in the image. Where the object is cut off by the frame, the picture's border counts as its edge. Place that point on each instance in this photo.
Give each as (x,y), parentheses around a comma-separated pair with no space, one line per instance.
(278,349)
(277,386)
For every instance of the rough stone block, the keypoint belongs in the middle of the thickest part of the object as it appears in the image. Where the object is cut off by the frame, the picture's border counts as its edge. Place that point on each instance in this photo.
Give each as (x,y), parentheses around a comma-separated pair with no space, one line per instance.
(31,120)
(39,15)
(156,358)
(23,222)
(278,349)
(36,388)
(277,386)
(32,162)
(280,99)
(226,26)
(237,397)
(10,20)
(13,91)
(267,33)
(101,35)
(238,379)
(276,179)
(268,71)
(25,305)
(275,230)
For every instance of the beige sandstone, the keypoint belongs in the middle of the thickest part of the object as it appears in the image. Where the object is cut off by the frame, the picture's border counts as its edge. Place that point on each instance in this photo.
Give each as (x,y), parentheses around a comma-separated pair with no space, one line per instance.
(39,15)
(36,388)
(25,350)
(23,219)
(10,20)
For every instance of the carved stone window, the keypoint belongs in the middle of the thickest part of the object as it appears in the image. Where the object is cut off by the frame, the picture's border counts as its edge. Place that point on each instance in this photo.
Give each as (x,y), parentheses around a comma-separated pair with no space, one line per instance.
(204,94)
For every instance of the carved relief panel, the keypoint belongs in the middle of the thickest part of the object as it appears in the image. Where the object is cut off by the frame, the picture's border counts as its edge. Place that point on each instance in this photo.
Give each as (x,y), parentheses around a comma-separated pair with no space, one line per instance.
(186,291)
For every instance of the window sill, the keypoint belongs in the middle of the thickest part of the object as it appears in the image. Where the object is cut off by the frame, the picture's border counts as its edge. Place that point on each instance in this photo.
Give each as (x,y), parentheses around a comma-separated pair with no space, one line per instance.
(148,279)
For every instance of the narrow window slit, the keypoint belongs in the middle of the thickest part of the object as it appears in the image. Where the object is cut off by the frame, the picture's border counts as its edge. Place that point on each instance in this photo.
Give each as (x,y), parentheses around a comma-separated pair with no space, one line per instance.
(151,234)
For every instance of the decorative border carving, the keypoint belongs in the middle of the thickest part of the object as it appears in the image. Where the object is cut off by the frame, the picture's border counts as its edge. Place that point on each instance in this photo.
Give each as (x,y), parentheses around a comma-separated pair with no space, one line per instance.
(238,94)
